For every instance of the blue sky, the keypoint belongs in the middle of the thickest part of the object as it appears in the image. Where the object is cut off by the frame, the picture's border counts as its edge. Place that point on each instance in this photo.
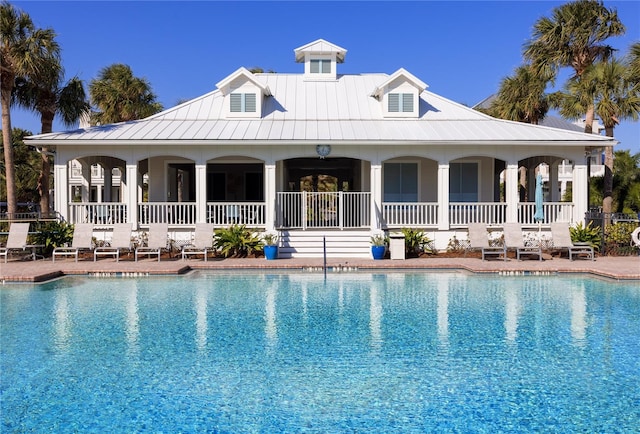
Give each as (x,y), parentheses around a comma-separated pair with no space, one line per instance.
(461,49)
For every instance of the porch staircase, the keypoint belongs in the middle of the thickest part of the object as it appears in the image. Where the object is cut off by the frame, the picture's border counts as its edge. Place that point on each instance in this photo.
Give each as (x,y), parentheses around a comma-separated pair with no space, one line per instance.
(339,244)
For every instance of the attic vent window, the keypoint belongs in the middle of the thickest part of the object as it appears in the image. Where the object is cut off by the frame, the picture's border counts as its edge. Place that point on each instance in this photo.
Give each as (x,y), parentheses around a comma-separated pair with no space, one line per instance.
(320,66)
(243,103)
(400,102)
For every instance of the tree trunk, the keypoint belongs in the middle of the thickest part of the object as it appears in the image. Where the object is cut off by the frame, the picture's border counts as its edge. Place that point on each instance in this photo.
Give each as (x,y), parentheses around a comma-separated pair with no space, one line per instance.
(44,182)
(607,200)
(9,164)
(588,120)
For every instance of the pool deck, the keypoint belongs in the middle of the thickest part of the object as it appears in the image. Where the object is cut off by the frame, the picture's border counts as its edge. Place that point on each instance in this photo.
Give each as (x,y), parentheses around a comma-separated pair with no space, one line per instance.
(612,267)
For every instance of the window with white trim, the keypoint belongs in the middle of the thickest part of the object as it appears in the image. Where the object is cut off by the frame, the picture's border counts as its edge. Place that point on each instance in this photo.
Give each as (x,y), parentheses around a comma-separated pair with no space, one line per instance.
(463,182)
(320,66)
(243,103)
(400,182)
(400,102)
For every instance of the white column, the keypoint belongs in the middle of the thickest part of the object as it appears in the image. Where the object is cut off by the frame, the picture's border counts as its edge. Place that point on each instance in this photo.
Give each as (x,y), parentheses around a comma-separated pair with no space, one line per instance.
(130,191)
(270,195)
(201,192)
(443,196)
(376,196)
(512,196)
(61,198)
(580,189)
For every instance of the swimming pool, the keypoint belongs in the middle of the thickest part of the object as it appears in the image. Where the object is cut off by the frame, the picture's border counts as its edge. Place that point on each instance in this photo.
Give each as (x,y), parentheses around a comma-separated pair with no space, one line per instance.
(396,352)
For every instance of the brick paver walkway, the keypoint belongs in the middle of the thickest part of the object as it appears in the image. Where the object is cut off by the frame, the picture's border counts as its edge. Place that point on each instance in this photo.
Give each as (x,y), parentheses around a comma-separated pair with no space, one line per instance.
(622,268)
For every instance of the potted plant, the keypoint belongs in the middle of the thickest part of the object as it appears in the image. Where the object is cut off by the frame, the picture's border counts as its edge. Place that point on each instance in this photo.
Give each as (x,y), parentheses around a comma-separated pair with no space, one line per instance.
(378,246)
(270,248)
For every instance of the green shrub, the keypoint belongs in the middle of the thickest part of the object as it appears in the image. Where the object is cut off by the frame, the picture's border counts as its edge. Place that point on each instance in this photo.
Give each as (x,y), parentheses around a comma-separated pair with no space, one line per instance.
(586,234)
(53,234)
(416,242)
(236,241)
(618,239)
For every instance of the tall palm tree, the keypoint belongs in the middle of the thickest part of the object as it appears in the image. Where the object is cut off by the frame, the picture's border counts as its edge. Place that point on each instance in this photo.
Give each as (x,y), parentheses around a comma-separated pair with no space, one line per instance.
(120,97)
(24,50)
(573,37)
(616,98)
(521,97)
(633,60)
(45,94)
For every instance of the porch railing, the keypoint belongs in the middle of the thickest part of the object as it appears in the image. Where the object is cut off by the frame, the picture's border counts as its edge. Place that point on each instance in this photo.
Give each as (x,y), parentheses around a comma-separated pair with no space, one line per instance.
(407,214)
(553,212)
(241,213)
(308,210)
(173,213)
(463,213)
(104,213)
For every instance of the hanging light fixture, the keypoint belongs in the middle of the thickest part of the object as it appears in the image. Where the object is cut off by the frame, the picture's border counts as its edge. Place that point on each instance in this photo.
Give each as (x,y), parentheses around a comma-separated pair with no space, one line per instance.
(323,150)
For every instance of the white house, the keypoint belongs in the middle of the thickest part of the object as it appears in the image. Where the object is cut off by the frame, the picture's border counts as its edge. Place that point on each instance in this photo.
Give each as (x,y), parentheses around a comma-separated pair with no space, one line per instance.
(318,154)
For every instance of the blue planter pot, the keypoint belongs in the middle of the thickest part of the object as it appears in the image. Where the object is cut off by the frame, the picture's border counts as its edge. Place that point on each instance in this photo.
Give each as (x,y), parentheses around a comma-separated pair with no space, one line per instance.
(271,252)
(377,252)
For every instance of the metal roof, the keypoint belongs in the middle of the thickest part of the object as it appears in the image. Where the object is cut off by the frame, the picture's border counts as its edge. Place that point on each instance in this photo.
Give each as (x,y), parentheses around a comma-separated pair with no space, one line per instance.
(340,110)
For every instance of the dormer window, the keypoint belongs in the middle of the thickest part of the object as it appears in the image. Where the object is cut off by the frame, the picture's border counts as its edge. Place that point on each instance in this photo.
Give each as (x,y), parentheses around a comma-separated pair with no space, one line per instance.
(399,95)
(320,66)
(320,60)
(244,94)
(243,103)
(400,103)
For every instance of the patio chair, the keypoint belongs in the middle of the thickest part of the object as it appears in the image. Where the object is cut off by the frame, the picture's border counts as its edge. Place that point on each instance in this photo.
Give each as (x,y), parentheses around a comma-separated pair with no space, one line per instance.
(120,240)
(513,240)
(202,241)
(17,240)
(478,240)
(82,240)
(156,241)
(562,240)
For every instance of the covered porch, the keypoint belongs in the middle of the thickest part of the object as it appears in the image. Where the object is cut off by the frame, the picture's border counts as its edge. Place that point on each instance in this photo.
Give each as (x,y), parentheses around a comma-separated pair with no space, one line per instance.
(336,193)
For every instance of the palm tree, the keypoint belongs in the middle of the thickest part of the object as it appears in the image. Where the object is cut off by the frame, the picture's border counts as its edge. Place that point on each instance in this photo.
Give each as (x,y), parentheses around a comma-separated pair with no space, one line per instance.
(44,94)
(626,180)
(121,97)
(521,97)
(573,37)
(616,98)
(23,51)
(634,62)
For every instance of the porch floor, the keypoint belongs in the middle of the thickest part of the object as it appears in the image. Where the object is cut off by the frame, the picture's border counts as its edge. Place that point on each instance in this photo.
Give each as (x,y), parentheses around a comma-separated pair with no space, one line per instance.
(615,267)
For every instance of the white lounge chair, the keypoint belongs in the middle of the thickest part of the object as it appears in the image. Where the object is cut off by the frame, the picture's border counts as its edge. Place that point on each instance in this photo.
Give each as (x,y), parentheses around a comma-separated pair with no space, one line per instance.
(82,240)
(562,240)
(120,240)
(156,241)
(479,240)
(202,241)
(513,240)
(17,240)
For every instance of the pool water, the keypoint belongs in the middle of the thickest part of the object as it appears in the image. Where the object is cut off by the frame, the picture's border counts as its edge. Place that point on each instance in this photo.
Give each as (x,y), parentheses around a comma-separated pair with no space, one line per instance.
(396,352)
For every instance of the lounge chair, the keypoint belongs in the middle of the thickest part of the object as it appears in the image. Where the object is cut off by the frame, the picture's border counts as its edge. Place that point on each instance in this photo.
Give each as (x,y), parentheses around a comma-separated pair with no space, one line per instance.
(120,240)
(202,241)
(156,241)
(82,240)
(562,240)
(478,240)
(513,240)
(17,240)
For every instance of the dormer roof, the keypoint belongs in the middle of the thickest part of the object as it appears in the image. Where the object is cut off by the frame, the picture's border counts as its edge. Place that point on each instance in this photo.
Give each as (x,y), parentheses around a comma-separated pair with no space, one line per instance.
(225,84)
(320,46)
(400,73)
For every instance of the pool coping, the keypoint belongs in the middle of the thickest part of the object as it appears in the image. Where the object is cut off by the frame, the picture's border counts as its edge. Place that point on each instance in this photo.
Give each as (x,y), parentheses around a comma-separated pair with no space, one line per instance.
(609,267)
